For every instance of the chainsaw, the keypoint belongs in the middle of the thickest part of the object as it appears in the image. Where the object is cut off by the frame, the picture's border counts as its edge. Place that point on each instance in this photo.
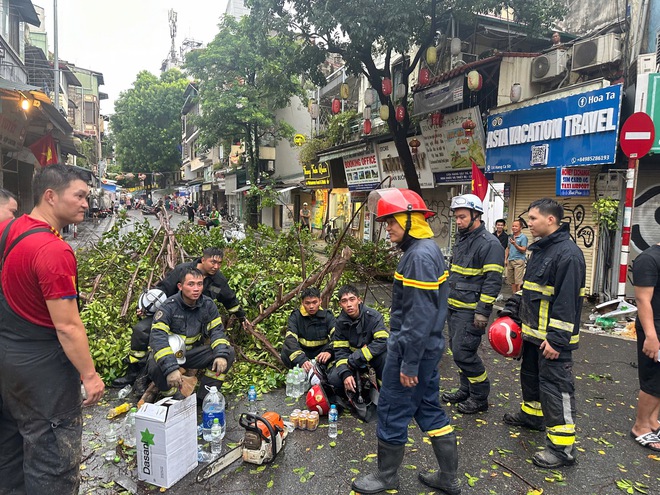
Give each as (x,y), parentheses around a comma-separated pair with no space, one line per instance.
(264,437)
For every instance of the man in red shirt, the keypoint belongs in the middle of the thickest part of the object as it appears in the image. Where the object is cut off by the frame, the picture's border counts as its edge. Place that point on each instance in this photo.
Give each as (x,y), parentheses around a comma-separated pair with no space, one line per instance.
(44,351)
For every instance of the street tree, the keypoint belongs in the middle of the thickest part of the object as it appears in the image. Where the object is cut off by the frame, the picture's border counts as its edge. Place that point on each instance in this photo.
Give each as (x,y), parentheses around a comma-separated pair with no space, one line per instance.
(244,76)
(372,35)
(146,124)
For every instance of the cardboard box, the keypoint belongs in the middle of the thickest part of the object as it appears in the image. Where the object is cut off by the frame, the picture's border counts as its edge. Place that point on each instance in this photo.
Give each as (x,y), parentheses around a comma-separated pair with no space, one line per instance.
(166,440)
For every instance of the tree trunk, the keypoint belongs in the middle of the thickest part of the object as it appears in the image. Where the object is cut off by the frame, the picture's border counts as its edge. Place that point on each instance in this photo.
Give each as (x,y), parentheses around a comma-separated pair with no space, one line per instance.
(406,161)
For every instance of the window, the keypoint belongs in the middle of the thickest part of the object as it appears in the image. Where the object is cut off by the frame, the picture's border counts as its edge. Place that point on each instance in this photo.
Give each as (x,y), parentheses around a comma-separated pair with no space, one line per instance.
(90,112)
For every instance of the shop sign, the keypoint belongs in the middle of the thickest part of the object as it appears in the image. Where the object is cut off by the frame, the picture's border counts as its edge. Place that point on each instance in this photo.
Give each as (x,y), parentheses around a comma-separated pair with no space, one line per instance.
(390,165)
(13,128)
(317,175)
(362,172)
(573,182)
(206,187)
(443,95)
(448,148)
(458,176)
(653,108)
(577,130)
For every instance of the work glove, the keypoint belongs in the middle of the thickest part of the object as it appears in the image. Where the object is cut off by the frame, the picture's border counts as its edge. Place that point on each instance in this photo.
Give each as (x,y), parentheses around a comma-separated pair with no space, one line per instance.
(175,379)
(219,365)
(511,308)
(480,321)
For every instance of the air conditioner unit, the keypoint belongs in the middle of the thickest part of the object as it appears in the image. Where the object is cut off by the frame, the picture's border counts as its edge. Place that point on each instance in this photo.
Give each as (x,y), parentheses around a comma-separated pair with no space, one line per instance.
(596,52)
(549,66)
(657,50)
(646,63)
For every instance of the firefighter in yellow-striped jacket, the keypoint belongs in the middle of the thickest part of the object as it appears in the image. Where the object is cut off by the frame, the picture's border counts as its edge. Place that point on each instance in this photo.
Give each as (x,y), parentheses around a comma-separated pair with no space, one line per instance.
(475,280)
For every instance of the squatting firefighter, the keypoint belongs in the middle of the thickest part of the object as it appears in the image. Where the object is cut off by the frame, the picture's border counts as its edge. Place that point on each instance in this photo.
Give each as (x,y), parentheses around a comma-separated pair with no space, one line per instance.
(411,380)
(550,308)
(194,317)
(215,286)
(475,280)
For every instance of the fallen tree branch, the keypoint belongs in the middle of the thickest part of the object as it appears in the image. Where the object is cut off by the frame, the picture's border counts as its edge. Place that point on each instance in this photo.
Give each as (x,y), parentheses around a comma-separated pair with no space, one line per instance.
(256,361)
(516,475)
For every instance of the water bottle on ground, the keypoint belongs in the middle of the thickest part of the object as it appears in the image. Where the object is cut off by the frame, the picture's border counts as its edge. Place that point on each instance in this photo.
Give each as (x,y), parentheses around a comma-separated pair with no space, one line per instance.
(252,400)
(110,444)
(129,429)
(213,407)
(216,438)
(125,392)
(333,419)
(300,376)
(289,384)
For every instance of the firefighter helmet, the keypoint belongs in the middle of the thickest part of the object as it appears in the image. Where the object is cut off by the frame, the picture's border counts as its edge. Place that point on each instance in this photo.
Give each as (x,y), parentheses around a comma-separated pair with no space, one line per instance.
(469,201)
(150,301)
(178,346)
(317,400)
(386,202)
(505,337)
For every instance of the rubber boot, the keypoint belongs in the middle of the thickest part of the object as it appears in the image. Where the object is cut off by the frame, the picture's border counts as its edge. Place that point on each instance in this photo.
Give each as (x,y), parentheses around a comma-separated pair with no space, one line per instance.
(446,452)
(454,397)
(389,460)
(519,418)
(550,460)
(132,373)
(472,406)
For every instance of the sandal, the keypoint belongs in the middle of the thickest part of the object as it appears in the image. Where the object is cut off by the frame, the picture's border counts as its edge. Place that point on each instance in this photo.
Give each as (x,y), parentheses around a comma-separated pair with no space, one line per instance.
(647,439)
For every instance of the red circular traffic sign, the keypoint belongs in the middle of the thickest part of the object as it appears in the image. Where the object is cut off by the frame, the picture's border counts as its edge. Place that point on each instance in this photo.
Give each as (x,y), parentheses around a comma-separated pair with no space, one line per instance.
(637,135)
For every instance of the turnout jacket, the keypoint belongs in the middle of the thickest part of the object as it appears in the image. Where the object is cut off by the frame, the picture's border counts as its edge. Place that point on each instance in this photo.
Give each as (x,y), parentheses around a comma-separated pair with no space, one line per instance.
(419,308)
(356,342)
(552,291)
(194,324)
(215,287)
(308,335)
(475,275)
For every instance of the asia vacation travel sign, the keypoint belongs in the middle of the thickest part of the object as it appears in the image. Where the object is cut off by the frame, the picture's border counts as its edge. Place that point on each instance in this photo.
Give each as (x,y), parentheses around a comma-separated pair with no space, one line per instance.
(572,131)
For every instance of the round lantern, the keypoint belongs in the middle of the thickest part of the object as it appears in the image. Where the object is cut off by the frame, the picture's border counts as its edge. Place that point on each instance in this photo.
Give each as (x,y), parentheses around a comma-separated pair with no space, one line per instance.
(344,91)
(455,46)
(336,105)
(370,96)
(400,113)
(366,113)
(431,55)
(367,126)
(400,90)
(469,126)
(474,80)
(384,112)
(516,92)
(414,145)
(436,119)
(424,76)
(130,176)
(314,109)
(387,86)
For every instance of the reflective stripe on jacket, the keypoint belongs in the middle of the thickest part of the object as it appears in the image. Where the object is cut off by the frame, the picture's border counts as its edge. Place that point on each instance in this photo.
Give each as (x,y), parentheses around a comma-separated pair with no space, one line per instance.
(308,335)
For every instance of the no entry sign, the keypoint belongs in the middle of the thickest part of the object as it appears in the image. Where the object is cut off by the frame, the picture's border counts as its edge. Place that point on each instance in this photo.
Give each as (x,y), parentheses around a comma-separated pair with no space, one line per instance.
(637,135)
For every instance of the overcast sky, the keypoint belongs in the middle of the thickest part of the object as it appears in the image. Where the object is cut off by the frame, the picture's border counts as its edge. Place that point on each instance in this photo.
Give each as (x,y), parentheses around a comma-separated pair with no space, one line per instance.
(119,38)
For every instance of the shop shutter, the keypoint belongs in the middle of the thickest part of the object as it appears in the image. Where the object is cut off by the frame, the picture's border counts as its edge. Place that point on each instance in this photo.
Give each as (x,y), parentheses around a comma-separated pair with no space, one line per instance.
(530,186)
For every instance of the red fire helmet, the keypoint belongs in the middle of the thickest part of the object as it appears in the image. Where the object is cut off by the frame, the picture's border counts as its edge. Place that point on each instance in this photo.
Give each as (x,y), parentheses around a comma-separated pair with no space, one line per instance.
(386,202)
(317,400)
(505,337)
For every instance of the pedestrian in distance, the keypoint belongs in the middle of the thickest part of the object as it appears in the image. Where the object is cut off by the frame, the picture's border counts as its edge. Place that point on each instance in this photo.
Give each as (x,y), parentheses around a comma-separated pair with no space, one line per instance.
(8,205)
(411,381)
(475,280)
(550,307)
(500,232)
(646,279)
(306,217)
(516,257)
(44,351)
(190,209)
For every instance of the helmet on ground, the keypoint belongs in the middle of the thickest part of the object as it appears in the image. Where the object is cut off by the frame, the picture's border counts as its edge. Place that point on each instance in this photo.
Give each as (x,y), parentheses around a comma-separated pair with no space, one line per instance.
(178,346)
(317,400)
(386,202)
(469,201)
(150,301)
(505,337)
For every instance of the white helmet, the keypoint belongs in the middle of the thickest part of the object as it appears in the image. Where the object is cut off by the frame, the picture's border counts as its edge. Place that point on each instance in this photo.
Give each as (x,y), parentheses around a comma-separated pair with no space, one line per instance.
(469,201)
(178,346)
(150,301)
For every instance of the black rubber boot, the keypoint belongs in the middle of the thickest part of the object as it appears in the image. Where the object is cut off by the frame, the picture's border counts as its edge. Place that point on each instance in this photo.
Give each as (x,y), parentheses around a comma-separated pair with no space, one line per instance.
(389,460)
(550,460)
(446,452)
(132,373)
(525,420)
(454,397)
(472,406)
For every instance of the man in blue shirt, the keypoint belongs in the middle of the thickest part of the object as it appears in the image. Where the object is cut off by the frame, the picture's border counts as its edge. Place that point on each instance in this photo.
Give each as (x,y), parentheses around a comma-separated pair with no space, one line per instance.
(515,256)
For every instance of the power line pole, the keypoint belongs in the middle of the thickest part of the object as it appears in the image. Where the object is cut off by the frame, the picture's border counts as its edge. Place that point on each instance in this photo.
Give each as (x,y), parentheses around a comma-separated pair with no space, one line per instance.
(56,61)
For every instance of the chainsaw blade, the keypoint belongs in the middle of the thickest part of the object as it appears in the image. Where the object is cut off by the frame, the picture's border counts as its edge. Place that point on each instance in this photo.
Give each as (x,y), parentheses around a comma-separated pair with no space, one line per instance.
(221,463)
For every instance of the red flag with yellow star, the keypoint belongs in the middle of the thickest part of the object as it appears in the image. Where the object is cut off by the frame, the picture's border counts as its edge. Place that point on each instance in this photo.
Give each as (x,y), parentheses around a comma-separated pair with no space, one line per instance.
(479,182)
(45,150)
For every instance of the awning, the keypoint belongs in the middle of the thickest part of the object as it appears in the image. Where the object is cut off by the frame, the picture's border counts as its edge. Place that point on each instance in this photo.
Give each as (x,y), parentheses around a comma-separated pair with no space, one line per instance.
(241,189)
(353,150)
(27,12)
(286,189)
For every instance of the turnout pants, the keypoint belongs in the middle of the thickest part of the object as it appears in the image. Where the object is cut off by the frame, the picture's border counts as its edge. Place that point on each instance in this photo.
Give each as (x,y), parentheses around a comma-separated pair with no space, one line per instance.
(464,341)
(40,411)
(398,405)
(140,341)
(548,391)
(377,363)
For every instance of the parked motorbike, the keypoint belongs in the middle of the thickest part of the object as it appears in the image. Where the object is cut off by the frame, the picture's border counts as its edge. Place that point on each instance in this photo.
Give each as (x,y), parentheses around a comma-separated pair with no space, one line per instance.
(234,232)
(149,210)
(330,230)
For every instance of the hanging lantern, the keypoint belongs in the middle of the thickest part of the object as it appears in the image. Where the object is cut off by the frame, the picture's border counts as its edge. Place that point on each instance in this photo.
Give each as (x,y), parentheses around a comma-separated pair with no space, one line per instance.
(414,145)
(455,46)
(400,113)
(400,90)
(516,92)
(387,86)
(474,80)
(142,176)
(314,109)
(336,105)
(370,96)
(424,76)
(469,126)
(431,55)
(436,119)
(367,126)
(130,176)
(344,91)
(366,113)
(384,112)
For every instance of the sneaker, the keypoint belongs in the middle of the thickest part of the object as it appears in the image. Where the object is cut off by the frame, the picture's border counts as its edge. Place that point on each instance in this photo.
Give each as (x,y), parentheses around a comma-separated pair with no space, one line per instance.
(522,419)
(454,397)
(472,406)
(549,460)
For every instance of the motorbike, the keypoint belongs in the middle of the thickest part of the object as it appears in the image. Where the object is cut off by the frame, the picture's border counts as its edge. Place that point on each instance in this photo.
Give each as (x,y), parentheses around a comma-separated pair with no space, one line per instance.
(149,210)
(234,232)
(330,230)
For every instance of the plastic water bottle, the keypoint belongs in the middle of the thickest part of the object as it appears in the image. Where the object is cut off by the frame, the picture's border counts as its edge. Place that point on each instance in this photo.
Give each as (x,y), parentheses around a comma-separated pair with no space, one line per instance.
(213,407)
(300,377)
(110,444)
(129,429)
(289,384)
(252,400)
(216,438)
(333,419)
(124,392)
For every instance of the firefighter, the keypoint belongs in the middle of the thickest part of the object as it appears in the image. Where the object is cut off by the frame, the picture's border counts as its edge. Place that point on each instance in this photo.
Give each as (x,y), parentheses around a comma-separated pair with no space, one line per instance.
(550,309)
(475,280)
(194,317)
(411,380)
(215,286)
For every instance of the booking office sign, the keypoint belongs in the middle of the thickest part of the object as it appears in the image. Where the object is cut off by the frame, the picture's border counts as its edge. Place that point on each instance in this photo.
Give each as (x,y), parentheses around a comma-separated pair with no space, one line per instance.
(572,131)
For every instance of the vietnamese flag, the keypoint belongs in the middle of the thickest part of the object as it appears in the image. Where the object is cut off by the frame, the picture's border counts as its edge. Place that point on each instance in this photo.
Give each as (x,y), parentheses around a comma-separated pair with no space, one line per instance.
(45,150)
(479,182)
